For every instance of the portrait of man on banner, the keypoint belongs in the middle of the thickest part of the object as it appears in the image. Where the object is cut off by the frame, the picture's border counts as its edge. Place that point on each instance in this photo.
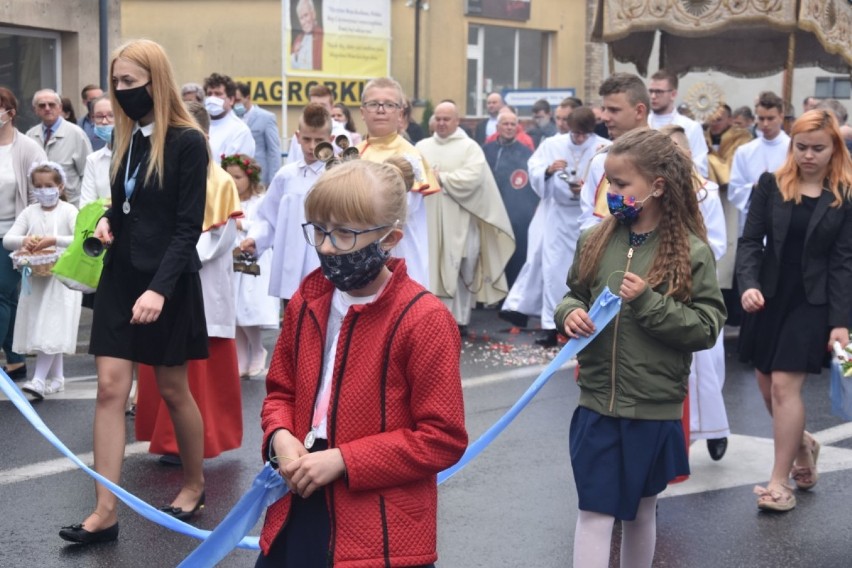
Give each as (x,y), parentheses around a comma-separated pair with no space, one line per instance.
(306,47)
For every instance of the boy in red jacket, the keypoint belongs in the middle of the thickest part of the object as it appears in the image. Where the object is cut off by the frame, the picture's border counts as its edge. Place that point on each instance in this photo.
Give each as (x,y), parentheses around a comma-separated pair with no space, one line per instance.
(364,403)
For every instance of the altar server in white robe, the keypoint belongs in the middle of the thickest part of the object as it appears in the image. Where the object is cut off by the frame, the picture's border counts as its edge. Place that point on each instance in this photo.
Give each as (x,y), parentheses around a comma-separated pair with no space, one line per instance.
(557,170)
(708,418)
(278,224)
(765,153)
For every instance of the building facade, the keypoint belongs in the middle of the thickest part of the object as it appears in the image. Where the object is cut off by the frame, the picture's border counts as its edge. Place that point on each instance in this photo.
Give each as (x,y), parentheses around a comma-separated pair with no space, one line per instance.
(48,44)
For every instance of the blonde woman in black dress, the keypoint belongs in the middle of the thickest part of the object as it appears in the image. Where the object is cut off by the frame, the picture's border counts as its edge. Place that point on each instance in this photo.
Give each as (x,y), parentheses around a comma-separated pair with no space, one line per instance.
(148,306)
(794,265)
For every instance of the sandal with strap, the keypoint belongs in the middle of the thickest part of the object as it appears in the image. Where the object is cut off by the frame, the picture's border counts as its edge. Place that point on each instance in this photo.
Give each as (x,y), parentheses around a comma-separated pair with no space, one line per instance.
(806,477)
(778,497)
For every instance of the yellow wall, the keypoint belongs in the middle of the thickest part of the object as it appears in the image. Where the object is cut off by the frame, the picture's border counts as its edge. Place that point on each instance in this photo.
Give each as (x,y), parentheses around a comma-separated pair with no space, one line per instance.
(243,39)
(78,25)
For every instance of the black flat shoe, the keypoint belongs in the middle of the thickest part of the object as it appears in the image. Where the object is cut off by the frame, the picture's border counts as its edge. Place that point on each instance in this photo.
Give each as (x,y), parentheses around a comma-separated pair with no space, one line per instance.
(515,318)
(18,374)
(170,459)
(79,535)
(717,448)
(549,338)
(182,515)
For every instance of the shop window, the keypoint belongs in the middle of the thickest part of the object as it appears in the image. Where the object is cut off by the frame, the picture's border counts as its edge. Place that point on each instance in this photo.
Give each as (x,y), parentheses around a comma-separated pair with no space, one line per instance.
(504,58)
(29,61)
(833,88)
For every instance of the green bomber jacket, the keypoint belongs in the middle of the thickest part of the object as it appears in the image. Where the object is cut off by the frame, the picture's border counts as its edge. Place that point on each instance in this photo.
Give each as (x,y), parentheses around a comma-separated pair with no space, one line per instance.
(638,366)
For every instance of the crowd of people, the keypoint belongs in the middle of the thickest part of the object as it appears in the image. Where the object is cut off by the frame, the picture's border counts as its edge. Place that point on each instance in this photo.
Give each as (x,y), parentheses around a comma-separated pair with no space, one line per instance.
(209,235)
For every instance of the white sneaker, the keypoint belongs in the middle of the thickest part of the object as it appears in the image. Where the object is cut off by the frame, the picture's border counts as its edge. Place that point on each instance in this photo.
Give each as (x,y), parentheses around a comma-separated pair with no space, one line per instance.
(35,388)
(55,386)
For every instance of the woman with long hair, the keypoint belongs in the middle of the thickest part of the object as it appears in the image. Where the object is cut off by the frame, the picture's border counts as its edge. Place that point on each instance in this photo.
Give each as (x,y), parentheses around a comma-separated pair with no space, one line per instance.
(148,306)
(341,114)
(794,265)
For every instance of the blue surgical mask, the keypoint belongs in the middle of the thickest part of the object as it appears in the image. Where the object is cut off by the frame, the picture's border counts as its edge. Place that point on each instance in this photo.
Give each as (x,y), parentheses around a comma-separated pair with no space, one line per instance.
(104,132)
(625,209)
(240,109)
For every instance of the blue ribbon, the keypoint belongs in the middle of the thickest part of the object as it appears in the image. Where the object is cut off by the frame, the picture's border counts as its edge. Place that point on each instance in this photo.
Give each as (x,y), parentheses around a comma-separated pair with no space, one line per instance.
(10,389)
(26,285)
(603,310)
(268,486)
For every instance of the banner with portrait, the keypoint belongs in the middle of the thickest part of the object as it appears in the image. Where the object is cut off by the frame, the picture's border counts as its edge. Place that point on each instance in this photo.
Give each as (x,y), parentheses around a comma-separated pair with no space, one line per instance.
(336,38)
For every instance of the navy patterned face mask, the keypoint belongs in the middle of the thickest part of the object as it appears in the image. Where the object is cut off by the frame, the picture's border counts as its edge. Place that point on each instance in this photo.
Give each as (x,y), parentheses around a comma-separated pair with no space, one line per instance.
(356,269)
(625,209)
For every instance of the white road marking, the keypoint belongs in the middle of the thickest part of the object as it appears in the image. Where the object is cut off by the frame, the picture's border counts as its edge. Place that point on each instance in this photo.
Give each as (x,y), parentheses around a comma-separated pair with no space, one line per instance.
(749,461)
(60,465)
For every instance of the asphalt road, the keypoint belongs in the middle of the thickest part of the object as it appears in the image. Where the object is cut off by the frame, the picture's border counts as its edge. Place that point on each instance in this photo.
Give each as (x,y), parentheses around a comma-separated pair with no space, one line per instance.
(514,506)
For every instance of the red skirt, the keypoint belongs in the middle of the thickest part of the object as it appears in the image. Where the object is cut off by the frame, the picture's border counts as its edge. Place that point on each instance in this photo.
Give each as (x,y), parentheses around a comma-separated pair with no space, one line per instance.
(215,386)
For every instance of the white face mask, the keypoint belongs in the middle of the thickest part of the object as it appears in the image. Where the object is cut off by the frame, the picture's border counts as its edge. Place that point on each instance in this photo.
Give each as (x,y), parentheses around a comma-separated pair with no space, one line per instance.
(46,196)
(214,105)
(7,121)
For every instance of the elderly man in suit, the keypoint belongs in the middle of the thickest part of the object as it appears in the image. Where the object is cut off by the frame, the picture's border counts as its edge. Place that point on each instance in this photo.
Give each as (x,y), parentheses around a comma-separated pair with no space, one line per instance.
(64,142)
(264,130)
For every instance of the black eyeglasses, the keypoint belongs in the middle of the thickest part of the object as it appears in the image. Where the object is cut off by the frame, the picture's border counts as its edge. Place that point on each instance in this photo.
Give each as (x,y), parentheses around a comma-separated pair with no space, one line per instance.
(374,106)
(341,238)
(654,92)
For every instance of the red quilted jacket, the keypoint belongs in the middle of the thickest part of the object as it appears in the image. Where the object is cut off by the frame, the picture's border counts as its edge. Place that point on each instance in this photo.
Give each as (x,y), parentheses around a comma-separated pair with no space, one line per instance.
(396,413)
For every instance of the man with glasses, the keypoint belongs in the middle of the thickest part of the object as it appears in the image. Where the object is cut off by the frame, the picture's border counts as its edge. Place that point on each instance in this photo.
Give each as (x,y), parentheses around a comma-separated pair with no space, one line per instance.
(381,109)
(557,171)
(63,142)
(470,235)
(663,92)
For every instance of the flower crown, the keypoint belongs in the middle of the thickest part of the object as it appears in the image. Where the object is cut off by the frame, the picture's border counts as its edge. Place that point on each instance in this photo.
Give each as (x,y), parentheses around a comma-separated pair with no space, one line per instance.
(251,170)
(52,165)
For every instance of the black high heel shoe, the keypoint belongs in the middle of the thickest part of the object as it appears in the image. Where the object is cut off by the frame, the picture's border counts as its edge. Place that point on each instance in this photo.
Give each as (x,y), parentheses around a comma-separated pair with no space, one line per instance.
(180,514)
(79,535)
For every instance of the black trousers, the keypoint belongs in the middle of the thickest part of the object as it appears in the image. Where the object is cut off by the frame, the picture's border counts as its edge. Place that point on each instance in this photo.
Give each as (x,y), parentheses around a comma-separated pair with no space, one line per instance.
(303,542)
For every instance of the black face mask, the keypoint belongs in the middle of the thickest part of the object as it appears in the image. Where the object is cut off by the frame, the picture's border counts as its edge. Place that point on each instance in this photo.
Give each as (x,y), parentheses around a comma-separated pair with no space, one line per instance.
(135,102)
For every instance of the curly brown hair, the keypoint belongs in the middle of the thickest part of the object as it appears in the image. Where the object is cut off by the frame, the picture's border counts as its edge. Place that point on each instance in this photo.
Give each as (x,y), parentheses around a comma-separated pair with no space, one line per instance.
(654,156)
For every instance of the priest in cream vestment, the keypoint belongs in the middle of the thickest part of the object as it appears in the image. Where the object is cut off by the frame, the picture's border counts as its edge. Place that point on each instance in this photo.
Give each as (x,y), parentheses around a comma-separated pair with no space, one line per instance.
(470,236)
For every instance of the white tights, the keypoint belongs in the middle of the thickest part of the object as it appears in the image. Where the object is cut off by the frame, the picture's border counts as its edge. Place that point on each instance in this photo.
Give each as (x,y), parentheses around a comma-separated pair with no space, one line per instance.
(593,537)
(48,365)
(250,352)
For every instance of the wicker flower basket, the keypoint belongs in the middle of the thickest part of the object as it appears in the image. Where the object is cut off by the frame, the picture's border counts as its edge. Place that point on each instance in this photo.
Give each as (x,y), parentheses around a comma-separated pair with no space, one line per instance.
(40,262)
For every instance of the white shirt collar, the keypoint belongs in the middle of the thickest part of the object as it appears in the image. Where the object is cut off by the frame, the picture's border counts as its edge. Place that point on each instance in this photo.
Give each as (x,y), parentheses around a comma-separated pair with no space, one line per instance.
(147,130)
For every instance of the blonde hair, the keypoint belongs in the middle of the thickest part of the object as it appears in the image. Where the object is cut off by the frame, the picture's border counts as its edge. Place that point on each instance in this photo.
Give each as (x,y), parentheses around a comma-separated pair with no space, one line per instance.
(169,110)
(384,83)
(839,172)
(655,155)
(358,191)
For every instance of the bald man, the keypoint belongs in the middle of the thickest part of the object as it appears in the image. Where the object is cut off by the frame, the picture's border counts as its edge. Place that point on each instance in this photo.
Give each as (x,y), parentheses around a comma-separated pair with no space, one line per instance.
(465,215)
(507,158)
(488,126)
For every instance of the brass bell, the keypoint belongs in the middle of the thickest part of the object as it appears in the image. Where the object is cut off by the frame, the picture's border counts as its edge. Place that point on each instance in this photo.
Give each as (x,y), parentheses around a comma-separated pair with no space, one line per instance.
(350,153)
(324,151)
(342,142)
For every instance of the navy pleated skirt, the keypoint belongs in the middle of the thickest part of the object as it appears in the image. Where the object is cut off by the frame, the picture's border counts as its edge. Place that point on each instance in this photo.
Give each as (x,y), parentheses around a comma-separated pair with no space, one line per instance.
(618,461)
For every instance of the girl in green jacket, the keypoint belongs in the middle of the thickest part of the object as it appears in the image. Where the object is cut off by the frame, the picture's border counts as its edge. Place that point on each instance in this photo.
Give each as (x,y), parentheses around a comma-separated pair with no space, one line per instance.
(626,437)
